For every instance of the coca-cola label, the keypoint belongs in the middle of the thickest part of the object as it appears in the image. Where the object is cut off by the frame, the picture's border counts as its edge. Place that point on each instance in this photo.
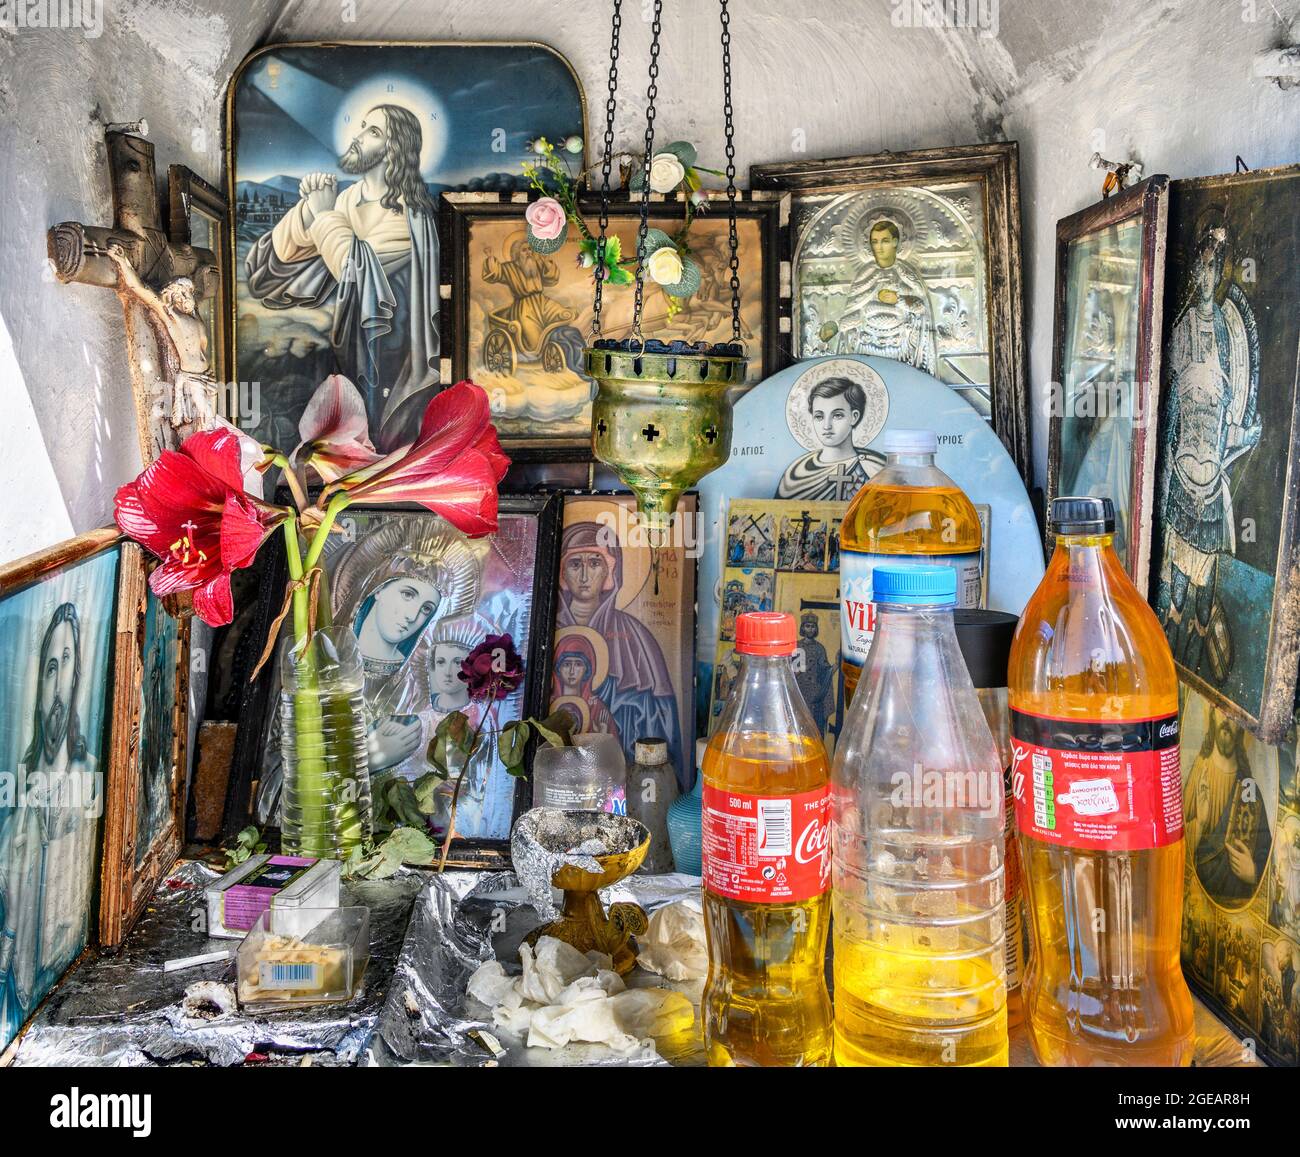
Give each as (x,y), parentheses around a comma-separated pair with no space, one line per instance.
(1097,786)
(771,849)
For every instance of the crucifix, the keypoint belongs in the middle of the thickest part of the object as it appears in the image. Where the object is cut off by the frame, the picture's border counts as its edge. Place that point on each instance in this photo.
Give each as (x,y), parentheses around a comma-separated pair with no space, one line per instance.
(160,282)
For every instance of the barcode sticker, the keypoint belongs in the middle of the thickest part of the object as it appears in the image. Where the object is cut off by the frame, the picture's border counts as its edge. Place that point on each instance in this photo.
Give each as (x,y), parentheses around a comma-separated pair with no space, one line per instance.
(275,975)
(774,828)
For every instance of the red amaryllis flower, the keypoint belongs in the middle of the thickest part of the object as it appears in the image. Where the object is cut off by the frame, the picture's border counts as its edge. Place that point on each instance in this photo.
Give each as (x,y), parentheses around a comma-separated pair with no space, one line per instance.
(189,508)
(453,467)
(335,431)
(493,669)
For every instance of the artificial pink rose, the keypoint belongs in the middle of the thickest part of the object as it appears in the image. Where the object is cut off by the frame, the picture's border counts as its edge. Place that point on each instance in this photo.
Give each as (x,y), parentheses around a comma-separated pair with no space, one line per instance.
(546,219)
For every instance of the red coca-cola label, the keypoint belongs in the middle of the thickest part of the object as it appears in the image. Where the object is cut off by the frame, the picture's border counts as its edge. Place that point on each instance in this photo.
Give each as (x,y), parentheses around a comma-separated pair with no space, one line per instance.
(1097,786)
(767,849)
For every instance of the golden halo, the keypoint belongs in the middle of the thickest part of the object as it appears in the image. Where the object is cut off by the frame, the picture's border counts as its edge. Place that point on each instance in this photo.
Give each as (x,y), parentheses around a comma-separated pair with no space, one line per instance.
(620,517)
(598,646)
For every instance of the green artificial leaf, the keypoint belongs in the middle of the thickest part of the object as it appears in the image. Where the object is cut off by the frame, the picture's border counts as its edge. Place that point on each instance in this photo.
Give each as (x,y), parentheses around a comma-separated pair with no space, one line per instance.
(561,723)
(684,151)
(692,180)
(619,276)
(656,239)
(554,738)
(512,742)
(403,846)
(613,251)
(689,282)
(401,799)
(425,788)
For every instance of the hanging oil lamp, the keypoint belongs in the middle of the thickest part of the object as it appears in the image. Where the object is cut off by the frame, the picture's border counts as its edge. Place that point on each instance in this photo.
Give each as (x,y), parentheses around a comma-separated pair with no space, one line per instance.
(661,419)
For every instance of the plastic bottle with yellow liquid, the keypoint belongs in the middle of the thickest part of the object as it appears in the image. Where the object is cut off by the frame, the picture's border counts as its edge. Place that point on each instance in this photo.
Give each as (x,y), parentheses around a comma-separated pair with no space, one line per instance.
(1095,768)
(766,832)
(910,511)
(917,845)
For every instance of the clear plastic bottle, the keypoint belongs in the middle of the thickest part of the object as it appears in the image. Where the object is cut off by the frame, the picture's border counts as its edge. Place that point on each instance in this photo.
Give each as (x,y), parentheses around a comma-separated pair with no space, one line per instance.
(985,641)
(911,511)
(325,810)
(917,845)
(765,863)
(1094,734)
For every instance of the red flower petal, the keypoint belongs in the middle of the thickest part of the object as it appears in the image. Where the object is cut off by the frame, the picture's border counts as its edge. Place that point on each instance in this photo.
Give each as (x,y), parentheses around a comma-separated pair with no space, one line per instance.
(244,527)
(458,412)
(335,413)
(130,514)
(213,602)
(218,451)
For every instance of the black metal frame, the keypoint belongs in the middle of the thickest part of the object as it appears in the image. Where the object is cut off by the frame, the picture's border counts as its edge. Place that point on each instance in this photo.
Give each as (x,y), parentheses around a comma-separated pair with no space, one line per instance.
(250,739)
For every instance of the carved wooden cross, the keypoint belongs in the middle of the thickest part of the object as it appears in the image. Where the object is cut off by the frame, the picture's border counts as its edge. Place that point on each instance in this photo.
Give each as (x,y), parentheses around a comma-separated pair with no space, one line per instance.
(81,253)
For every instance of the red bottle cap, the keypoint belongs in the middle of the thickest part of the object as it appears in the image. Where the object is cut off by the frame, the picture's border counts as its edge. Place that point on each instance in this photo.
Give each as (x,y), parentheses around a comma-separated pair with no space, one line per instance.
(765,633)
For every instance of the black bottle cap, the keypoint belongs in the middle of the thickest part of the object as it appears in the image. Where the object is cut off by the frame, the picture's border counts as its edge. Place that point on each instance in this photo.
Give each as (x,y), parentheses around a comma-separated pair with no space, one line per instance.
(1082,515)
(985,641)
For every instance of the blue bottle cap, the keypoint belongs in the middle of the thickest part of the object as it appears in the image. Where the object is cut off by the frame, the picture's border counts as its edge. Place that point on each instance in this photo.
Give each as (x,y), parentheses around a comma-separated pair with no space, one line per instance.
(914,584)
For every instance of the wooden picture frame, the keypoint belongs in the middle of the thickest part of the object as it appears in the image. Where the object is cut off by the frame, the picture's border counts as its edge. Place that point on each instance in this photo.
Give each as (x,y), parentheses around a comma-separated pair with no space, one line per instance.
(1224,580)
(255,764)
(150,735)
(471,108)
(925,189)
(190,201)
(478,223)
(1124,237)
(58,616)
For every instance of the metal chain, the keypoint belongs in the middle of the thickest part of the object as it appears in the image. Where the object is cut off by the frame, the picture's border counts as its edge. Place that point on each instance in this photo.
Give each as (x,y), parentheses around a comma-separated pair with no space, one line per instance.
(651,93)
(730,129)
(606,161)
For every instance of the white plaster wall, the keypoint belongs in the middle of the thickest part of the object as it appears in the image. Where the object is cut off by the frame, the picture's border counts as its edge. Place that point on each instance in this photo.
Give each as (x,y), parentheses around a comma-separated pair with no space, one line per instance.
(67,424)
(1166,82)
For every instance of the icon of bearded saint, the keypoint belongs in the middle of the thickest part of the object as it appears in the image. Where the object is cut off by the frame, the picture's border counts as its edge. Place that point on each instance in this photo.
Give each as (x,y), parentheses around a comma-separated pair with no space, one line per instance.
(370,254)
(46,852)
(638,690)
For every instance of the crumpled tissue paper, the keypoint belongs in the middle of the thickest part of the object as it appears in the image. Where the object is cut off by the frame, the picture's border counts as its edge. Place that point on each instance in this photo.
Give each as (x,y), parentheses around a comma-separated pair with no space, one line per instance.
(564,996)
(674,945)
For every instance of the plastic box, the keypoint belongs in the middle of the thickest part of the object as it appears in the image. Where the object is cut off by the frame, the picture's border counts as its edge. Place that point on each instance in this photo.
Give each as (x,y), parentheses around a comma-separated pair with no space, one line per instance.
(297,956)
(264,882)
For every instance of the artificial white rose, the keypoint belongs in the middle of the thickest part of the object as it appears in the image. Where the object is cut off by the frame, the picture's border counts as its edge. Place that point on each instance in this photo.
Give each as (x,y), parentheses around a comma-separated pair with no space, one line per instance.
(666,172)
(665,265)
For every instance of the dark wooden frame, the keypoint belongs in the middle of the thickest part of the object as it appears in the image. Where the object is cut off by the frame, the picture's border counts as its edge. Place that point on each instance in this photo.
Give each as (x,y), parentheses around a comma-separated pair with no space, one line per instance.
(996,167)
(1277,712)
(231,136)
(461,210)
(124,888)
(1148,202)
(187,191)
(258,699)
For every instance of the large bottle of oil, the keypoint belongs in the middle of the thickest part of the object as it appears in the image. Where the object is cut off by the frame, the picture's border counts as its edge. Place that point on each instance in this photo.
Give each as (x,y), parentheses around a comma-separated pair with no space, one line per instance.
(917,845)
(1094,748)
(911,511)
(766,863)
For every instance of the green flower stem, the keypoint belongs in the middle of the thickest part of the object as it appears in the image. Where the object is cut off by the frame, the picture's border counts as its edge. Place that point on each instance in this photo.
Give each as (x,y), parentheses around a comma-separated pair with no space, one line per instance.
(321,798)
(291,480)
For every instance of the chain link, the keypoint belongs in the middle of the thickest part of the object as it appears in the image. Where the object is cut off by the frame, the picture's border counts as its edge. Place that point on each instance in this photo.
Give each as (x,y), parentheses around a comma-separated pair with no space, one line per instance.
(730,130)
(605,164)
(652,92)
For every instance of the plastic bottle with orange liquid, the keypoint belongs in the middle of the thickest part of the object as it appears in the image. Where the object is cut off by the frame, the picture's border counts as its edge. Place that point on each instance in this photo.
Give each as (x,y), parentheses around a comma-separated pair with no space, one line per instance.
(910,511)
(1094,739)
(766,863)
